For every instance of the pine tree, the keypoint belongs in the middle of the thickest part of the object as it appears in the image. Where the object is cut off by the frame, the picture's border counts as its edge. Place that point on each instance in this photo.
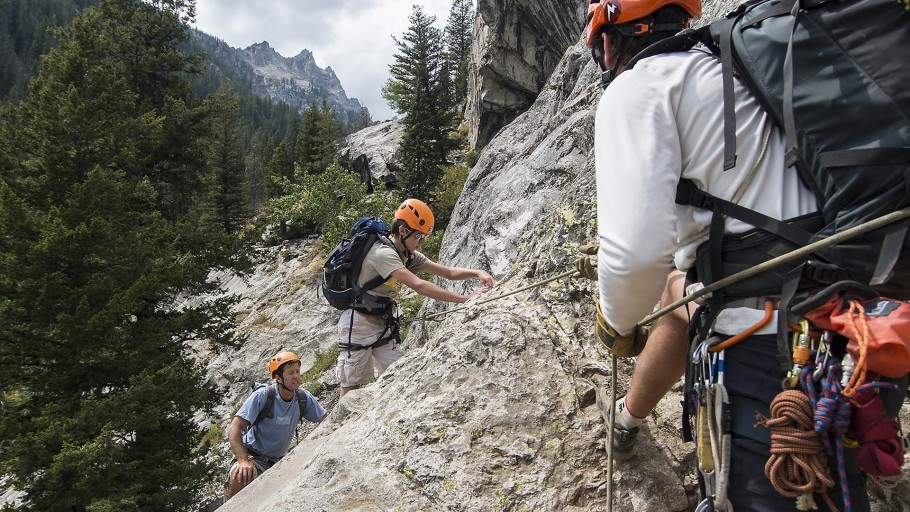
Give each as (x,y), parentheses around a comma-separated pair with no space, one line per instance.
(459,29)
(316,142)
(229,203)
(279,168)
(100,199)
(363,120)
(420,89)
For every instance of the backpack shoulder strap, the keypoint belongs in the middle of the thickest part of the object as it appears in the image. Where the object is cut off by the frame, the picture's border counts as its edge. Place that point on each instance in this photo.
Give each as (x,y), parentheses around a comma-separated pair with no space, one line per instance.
(266,411)
(687,193)
(302,402)
(681,42)
(378,280)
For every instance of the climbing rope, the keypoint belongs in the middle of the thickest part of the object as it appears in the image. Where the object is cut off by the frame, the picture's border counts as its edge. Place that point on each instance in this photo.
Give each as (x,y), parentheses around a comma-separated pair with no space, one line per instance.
(798,466)
(434,316)
(612,422)
(862,339)
(797,254)
(832,414)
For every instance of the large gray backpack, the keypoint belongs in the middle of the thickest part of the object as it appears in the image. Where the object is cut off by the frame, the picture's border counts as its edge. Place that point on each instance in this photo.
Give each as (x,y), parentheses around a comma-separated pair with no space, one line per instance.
(834,76)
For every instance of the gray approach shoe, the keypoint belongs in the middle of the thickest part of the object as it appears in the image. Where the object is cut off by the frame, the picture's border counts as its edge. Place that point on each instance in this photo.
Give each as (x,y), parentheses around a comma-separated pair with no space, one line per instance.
(623,440)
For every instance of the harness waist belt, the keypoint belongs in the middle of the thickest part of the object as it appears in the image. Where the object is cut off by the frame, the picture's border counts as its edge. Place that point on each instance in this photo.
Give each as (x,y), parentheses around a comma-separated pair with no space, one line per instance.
(752,303)
(358,346)
(254,453)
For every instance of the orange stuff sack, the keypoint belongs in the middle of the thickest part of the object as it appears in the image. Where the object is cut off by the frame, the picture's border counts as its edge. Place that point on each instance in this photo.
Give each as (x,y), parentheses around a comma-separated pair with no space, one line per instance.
(855,312)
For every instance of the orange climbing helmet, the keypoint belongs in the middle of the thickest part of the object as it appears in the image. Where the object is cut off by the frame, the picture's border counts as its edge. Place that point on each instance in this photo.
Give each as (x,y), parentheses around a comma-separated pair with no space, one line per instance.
(618,12)
(279,359)
(417,215)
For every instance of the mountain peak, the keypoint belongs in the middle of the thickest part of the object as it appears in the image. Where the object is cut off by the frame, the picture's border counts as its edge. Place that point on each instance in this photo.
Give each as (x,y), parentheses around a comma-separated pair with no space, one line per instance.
(264,46)
(299,80)
(304,55)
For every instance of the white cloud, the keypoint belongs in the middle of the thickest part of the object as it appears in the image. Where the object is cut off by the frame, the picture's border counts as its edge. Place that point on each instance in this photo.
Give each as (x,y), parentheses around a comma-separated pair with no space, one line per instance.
(353,37)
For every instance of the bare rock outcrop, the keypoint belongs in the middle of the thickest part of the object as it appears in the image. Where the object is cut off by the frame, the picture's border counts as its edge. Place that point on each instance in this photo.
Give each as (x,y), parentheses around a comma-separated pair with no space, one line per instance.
(516,45)
(494,405)
(373,153)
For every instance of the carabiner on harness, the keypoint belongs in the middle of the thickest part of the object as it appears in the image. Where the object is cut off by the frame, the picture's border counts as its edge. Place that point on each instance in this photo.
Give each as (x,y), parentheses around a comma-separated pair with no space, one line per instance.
(821,361)
(802,350)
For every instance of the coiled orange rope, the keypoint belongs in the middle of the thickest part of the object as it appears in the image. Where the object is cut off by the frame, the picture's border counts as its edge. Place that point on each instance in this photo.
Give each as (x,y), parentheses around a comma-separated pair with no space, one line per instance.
(798,466)
(862,339)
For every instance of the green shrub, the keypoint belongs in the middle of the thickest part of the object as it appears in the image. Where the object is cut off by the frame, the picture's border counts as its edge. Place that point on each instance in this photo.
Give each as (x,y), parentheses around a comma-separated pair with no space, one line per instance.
(323,361)
(213,436)
(471,157)
(331,201)
(449,191)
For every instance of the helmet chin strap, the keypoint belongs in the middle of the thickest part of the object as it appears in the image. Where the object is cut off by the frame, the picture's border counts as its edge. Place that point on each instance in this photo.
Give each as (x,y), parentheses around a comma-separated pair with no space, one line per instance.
(607,77)
(407,252)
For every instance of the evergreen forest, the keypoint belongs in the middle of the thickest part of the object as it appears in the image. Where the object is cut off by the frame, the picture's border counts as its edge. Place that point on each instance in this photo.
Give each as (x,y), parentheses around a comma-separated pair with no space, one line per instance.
(135,161)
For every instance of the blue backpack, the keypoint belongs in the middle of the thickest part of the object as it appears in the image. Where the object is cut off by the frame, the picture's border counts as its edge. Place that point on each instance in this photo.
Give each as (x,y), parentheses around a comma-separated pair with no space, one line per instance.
(342,269)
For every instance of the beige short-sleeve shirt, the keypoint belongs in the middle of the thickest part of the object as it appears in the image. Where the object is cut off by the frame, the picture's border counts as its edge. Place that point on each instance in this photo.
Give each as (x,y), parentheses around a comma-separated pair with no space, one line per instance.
(382,260)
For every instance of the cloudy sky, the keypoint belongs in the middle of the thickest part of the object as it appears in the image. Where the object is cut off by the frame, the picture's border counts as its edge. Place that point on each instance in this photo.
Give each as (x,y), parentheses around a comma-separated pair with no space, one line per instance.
(353,37)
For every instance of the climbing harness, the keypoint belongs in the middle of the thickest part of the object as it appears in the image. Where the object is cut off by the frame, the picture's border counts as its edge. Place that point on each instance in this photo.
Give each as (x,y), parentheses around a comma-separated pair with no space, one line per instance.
(798,254)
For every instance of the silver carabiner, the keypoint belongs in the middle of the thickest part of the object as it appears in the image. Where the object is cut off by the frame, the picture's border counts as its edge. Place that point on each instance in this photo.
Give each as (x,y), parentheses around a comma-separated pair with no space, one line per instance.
(824,345)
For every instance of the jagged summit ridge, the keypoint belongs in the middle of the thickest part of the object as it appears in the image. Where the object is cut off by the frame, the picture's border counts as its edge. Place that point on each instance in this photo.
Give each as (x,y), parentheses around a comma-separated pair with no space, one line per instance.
(299,80)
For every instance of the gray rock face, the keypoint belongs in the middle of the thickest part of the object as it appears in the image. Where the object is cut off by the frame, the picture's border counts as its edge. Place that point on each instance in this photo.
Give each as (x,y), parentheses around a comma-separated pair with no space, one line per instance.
(299,81)
(373,152)
(492,407)
(516,44)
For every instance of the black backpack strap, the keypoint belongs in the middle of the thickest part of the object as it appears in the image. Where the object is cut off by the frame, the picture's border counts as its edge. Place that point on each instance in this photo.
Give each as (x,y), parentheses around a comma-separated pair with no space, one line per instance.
(687,193)
(792,149)
(892,246)
(782,8)
(302,402)
(682,42)
(266,411)
(688,39)
(372,283)
(725,28)
(378,280)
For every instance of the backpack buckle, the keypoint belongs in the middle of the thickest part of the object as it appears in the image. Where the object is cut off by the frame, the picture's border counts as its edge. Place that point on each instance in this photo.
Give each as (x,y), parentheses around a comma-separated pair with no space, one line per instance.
(687,193)
(825,273)
(791,157)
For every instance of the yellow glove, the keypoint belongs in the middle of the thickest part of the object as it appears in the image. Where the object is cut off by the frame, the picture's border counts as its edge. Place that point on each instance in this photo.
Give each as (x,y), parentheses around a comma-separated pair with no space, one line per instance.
(586,268)
(622,346)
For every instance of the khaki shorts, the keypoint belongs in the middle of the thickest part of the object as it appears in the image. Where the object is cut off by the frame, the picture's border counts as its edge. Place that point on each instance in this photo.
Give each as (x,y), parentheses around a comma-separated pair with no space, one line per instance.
(261,463)
(355,367)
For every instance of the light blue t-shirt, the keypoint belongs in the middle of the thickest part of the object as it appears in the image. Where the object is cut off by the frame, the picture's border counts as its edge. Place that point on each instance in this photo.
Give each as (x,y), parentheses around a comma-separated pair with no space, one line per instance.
(272,436)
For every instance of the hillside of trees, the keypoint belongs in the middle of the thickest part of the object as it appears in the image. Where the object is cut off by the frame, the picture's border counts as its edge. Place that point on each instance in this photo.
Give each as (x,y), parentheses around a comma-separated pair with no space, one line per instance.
(133,165)
(24,37)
